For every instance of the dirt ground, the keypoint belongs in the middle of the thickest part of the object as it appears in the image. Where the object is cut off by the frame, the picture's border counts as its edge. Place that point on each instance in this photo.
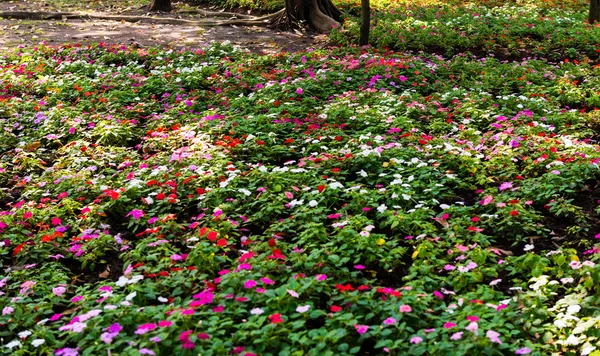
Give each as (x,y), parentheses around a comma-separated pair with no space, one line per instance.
(57,32)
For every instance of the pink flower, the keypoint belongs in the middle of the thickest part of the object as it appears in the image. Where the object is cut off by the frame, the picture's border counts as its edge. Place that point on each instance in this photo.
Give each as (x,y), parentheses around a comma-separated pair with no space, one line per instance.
(472,318)
(505,185)
(456,336)
(58,291)
(165,323)
(136,214)
(204,297)
(293,293)
(405,308)
(359,267)
(485,201)
(144,328)
(303,308)
(322,277)
(523,351)
(416,340)
(289,195)
(249,284)
(361,329)
(472,327)
(389,321)
(438,294)
(267,280)
(449,325)
(299,91)
(8,310)
(493,336)
(27,215)
(144,351)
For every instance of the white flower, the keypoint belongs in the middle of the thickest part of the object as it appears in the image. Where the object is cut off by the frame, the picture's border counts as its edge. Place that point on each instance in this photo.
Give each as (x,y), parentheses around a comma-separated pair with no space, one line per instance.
(586,350)
(443,206)
(405,196)
(24,334)
(13,343)
(566,280)
(560,324)
(381,208)
(572,340)
(37,342)
(528,247)
(364,233)
(130,296)
(573,309)
(162,299)
(313,203)
(256,311)
(362,173)
(246,192)
(575,264)
(495,281)
(588,263)
(336,185)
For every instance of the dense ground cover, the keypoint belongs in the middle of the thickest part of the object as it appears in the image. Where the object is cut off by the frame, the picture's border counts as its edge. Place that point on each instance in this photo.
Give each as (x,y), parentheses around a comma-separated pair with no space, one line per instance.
(348,202)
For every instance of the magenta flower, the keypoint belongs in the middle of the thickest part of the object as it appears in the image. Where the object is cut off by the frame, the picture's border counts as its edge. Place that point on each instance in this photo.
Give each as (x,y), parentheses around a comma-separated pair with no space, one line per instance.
(204,297)
(359,267)
(299,91)
(267,280)
(249,284)
(144,328)
(165,323)
(505,185)
(438,294)
(322,277)
(361,329)
(136,214)
(449,325)
(390,321)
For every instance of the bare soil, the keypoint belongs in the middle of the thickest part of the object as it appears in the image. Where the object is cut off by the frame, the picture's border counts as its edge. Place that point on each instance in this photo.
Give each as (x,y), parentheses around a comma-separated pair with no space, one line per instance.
(57,32)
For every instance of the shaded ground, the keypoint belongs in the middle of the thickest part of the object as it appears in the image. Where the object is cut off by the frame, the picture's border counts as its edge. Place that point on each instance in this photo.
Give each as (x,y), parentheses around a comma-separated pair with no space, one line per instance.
(56,32)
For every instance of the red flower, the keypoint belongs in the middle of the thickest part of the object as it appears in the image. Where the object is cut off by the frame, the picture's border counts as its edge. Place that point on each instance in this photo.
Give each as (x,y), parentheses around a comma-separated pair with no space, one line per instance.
(514,213)
(276,319)
(222,243)
(212,236)
(343,288)
(335,308)
(321,188)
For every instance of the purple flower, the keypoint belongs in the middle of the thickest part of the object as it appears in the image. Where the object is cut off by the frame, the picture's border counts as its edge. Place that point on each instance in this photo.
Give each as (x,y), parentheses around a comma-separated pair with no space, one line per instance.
(145,351)
(523,351)
(416,340)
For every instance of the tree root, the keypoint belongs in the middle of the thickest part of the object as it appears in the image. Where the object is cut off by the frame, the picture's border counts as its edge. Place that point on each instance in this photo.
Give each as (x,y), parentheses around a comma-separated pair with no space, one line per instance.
(246,21)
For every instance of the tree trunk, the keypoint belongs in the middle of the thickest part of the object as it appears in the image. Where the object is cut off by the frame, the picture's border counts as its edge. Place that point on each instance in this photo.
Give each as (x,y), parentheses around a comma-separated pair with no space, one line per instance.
(320,14)
(594,11)
(366,22)
(161,5)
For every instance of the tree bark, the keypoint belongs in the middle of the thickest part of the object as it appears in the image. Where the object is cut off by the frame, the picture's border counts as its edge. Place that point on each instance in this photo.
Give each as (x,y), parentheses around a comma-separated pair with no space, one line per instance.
(594,11)
(366,22)
(161,5)
(320,14)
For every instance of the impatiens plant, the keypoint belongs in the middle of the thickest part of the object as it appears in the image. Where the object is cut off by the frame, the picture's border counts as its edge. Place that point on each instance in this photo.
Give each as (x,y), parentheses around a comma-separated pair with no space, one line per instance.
(341,201)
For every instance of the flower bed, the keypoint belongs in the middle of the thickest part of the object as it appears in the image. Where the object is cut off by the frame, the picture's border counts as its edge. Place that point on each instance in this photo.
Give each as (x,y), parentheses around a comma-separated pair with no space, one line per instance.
(336,202)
